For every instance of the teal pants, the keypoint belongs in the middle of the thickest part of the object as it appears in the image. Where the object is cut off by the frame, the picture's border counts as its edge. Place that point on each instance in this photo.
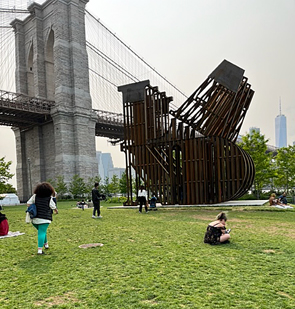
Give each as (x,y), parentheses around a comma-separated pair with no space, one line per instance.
(42,233)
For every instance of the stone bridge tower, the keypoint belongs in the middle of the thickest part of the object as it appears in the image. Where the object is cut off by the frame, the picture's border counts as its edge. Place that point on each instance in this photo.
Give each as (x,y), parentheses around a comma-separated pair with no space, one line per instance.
(52,63)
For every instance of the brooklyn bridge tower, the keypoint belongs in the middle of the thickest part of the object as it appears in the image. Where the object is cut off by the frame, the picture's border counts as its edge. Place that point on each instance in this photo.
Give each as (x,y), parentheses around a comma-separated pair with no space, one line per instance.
(52,63)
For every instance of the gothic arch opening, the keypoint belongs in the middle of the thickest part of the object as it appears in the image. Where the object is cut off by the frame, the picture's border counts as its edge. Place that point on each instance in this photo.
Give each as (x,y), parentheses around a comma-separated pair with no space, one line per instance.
(30,73)
(49,66)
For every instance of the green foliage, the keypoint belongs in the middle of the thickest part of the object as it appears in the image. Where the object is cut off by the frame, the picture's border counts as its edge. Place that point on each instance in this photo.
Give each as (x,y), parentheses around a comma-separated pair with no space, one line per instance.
(106,188)
(5,176)
(77,187)
(123,184)
(116,199)
(285,168)
(256,145)
(155,260)
(61,187)
(114,185)
(52,182)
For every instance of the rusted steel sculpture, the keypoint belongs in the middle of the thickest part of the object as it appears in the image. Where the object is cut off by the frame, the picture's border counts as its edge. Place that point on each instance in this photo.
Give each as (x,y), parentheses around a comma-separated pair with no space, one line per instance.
(189,156)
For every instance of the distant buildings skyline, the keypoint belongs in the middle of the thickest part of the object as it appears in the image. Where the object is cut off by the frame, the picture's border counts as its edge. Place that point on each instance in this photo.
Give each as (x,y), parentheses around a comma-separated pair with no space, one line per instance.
(253,130)
(106,167)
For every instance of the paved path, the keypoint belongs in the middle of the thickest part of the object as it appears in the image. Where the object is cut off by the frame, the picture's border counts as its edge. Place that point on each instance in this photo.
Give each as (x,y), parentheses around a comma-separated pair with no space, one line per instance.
(229,203)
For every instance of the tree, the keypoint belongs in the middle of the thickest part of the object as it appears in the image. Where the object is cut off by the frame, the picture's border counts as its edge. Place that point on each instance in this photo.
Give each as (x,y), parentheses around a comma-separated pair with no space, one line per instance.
(5,176)
(255,145)
(77,186)
(123,184)
(285,168)
(61,187)
(106,187)
(114,185)
(52,182)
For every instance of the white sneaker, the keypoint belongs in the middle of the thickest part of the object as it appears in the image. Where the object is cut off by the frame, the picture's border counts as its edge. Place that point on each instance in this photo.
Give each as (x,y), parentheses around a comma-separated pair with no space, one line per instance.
(46,246)
(93,217)
(99,217)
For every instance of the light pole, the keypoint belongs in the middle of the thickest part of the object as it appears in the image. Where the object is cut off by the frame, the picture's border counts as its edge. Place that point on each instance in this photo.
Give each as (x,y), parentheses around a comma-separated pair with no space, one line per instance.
(30,176)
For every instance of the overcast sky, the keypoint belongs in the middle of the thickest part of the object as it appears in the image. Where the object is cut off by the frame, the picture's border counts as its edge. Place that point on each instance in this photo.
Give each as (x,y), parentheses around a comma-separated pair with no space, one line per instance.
(185,40)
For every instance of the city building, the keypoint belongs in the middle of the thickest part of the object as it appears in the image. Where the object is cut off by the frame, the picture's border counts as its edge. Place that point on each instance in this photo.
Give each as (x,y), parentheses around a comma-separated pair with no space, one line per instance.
(281,130)
(118,171)
(253,130)
(106,167)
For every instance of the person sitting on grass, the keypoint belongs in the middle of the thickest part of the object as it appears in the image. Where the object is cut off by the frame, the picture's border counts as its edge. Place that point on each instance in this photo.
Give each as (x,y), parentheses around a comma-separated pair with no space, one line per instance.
(273,201)
(283,199)
(276,203)
(4,226)
(153,201)
(216,233)
(82,204)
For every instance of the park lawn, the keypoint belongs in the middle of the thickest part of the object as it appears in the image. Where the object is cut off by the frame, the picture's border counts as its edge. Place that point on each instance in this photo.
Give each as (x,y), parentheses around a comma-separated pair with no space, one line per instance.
(154,260)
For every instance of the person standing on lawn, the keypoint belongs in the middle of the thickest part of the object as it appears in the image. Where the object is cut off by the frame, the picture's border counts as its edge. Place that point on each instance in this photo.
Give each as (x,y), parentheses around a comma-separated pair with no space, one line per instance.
(42,198)
(142,199)
(96,197)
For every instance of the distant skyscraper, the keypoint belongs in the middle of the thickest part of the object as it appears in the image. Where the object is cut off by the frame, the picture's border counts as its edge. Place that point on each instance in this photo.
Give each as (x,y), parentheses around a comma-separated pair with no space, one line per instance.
(254,129)
(106,167)
(281,130)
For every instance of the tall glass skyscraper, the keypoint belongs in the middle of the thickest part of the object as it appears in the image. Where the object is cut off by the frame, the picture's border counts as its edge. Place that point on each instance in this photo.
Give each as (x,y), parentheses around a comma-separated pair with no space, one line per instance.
(281,131)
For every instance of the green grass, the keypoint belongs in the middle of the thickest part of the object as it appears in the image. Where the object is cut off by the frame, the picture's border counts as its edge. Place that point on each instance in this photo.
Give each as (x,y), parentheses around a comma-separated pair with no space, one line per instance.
(155,260)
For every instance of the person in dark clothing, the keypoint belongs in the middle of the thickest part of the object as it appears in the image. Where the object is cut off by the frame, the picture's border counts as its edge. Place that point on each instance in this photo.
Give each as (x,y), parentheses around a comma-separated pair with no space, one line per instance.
(96,197)
(283,199)
(153,202)
(216,232)
(42,198)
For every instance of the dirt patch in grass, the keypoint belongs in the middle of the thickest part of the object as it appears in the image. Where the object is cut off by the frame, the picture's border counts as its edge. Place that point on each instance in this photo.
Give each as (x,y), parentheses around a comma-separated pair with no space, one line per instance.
(210,219)
(269,251)
(291,234)
(281,229)
(200,217)
(57,300)
(285,295)
(150,302)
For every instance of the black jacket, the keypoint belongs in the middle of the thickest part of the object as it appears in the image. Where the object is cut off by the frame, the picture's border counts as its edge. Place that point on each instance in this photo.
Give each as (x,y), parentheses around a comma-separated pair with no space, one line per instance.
(96,197)
(43,209)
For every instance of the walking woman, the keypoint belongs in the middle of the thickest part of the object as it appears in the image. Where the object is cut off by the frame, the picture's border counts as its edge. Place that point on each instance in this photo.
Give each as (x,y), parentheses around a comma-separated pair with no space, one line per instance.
(142,199)
(42,198)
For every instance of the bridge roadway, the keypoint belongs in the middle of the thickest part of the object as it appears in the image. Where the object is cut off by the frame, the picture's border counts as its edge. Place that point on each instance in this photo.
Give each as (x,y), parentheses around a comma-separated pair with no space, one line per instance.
(22,111)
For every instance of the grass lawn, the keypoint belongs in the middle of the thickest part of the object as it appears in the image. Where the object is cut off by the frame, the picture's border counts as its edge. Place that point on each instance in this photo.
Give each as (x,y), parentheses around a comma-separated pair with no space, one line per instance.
(154,260)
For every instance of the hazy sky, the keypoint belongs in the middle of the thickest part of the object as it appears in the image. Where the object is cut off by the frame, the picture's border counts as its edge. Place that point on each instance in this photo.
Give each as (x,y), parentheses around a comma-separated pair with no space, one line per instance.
(185,40)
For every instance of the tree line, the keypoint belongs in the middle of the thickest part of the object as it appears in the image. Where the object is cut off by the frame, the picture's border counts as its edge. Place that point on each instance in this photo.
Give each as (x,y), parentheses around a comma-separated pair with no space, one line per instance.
(78,187)
(274,171)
